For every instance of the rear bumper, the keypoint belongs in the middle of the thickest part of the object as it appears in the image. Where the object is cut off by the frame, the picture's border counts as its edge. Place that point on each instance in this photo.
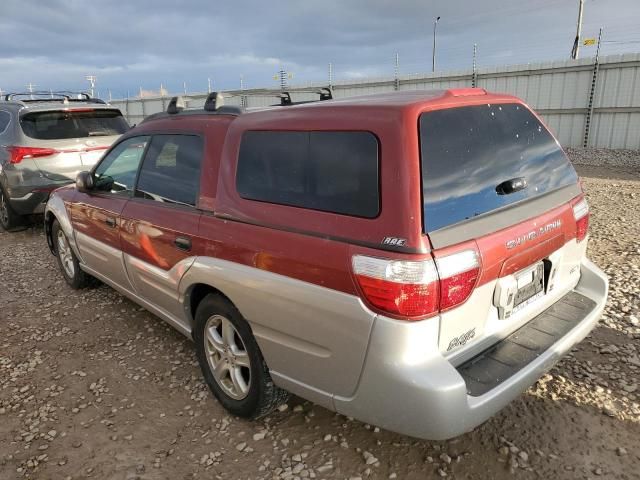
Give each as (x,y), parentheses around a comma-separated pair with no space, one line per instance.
(413,390)
(31,203)
(32,200)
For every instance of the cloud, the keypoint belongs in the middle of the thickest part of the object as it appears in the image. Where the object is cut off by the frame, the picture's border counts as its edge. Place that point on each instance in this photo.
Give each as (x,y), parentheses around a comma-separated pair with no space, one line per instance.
(143,43)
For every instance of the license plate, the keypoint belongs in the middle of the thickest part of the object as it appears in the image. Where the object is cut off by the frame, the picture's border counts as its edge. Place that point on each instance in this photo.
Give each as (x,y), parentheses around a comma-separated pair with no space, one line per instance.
(530,285)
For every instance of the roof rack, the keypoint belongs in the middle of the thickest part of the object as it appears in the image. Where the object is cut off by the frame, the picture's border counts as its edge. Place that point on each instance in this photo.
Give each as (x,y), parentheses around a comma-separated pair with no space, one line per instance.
(63,96)
(215,100)
(326,93)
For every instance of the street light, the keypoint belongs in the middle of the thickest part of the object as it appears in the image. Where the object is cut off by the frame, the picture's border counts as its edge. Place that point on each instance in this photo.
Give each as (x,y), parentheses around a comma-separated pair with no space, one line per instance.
(433,56)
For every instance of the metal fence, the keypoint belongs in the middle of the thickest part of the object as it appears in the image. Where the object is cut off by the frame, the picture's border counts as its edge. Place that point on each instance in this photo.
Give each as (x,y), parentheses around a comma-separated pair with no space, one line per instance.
(583,104)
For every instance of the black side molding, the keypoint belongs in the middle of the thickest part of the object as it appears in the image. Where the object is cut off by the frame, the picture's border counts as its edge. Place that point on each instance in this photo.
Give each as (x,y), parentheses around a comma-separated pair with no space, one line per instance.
(504,359)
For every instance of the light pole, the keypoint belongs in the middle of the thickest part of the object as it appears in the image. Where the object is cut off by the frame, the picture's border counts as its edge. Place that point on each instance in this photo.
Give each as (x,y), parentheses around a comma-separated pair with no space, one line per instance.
(433,56)
(576,43)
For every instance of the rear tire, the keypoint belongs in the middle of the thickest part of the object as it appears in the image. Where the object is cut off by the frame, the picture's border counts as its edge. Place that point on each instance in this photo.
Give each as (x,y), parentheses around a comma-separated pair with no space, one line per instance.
(67,260)
(231,361)
(9,220)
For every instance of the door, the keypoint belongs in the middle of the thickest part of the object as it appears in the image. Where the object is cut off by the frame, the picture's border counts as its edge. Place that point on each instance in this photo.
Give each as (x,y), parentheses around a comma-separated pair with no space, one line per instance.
(96,215)
(159,224)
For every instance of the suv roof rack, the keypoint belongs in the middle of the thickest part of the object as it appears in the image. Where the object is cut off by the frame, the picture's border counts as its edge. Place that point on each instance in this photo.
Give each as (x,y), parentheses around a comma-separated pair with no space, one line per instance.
(326,93)
(214,102)
(64,96)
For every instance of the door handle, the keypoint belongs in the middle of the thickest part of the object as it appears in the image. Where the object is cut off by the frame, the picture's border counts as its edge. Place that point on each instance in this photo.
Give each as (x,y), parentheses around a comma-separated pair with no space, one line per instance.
(183,243)
(110,221)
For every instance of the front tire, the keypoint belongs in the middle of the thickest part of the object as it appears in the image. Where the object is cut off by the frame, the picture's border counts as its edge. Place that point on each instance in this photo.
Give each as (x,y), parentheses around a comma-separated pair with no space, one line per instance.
(231,361)
(9,219)
(67,260)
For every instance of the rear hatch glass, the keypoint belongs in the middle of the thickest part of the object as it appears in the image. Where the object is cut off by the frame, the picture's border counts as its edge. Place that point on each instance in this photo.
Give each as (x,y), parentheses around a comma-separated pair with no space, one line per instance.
(74,123)
(472,157)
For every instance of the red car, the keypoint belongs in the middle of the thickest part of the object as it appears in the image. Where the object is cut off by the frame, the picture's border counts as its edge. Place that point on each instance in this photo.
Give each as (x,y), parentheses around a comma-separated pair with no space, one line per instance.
(414,260)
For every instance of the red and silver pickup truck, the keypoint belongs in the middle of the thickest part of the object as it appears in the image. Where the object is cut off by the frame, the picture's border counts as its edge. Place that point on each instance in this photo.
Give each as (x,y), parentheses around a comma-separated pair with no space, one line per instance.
(415,260)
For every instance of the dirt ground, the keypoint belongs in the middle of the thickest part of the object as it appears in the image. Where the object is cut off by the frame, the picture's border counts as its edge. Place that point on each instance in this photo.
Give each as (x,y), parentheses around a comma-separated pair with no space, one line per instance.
(92,386)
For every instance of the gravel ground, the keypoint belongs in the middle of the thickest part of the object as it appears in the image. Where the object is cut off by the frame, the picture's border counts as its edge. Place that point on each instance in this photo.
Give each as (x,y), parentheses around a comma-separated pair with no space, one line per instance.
(92,386)
(601,157)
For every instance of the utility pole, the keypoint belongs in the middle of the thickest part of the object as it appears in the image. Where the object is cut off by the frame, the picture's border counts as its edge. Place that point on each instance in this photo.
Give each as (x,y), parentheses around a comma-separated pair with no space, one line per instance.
(576,43)
(208,85)
(474,76)
(283,79)
(330,74)
(396,73)
(433,54)
(184,86)
(30,89)
(92,83)
(243,99)
(592,93)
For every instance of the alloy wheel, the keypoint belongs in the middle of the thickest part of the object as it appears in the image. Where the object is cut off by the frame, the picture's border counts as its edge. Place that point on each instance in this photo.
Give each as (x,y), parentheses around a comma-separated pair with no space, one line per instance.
(227,357)
(65,254)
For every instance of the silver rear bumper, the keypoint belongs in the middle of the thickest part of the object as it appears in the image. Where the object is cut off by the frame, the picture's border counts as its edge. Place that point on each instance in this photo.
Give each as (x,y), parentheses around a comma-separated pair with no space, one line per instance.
(408,388)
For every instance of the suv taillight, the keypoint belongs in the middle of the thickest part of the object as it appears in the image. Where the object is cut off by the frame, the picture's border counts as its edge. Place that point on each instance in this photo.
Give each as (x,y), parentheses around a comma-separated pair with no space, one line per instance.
(417,289)
(581,215)
(17,154)
(458,273)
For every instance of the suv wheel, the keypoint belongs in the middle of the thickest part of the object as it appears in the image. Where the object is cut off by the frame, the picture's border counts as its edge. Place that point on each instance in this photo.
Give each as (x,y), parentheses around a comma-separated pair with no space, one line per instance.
(8,218)
(67,260)
(231,361)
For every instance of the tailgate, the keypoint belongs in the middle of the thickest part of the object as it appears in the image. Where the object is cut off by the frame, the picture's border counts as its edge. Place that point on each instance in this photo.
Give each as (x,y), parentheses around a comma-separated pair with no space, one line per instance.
(72,157)
(495,177)
(525,269)
(78,137)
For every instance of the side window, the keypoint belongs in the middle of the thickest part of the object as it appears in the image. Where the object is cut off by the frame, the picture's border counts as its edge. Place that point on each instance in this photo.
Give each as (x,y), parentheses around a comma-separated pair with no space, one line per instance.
(116,173)
(171,169)
(327,171)
(4,120)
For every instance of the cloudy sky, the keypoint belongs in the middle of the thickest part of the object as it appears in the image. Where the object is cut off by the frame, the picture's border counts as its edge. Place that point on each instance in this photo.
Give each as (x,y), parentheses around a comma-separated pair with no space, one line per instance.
(137,44)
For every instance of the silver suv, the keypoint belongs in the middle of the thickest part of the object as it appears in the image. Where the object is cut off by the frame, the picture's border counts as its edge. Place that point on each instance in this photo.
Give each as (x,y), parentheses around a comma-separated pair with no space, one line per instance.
(46,138)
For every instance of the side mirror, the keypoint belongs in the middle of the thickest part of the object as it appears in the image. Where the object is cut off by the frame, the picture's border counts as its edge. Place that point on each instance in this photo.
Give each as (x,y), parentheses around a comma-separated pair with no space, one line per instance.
(84,182)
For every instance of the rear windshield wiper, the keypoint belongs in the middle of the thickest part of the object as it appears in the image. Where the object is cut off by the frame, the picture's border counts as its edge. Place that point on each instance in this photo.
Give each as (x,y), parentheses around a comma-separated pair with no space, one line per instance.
(512,185)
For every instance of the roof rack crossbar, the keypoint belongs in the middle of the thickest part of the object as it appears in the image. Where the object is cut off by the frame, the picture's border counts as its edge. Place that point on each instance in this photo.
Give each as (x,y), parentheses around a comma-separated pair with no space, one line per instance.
(176,105)
(214,101)
(50,96)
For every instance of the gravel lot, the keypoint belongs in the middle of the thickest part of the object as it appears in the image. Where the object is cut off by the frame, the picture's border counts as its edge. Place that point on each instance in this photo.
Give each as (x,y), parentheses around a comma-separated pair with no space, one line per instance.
(92,386)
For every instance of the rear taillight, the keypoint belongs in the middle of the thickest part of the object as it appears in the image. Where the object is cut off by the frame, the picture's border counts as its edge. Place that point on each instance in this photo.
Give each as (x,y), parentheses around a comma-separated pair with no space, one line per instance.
(458,273)
(17,154)
(400,287)
(417,289)
(581,215)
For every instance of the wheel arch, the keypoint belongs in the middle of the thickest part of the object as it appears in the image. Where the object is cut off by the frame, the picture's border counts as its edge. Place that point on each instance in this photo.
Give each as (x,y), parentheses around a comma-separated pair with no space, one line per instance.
(194,294)
(49,217)
(56,210)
